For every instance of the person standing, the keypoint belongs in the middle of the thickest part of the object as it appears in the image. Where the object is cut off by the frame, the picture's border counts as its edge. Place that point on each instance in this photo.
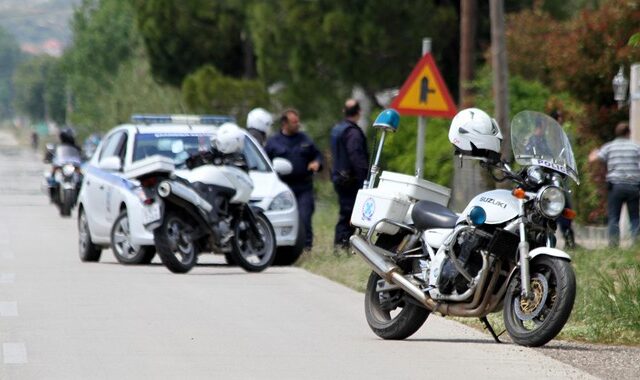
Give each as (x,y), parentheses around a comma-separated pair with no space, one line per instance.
(259,123)
(350,168)
(622,157)
(306,160)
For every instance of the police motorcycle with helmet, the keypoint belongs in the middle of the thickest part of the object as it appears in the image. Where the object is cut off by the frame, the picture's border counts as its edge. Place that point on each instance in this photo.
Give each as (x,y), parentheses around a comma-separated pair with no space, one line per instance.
(204,207)
(64,179)
(497,255)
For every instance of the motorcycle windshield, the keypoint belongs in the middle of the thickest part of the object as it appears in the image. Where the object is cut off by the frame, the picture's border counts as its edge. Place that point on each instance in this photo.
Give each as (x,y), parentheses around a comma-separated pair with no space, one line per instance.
(538,139)
(66,154)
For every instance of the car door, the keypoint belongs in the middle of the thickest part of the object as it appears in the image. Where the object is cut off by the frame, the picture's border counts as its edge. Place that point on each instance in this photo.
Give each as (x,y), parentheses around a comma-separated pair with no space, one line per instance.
(103,182)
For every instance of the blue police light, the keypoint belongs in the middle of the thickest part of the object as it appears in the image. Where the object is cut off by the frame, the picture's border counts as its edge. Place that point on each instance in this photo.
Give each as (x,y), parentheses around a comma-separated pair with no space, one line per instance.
(388,120)
(478,216)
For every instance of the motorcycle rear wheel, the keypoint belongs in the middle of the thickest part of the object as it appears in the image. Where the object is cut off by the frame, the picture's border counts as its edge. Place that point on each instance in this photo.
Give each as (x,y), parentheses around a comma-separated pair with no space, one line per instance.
(392,320)
(535,322)
(245,253)
(173,245)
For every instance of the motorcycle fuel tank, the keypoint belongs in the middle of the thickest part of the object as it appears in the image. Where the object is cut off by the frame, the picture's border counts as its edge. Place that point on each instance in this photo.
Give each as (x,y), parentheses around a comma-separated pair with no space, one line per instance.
(500,206)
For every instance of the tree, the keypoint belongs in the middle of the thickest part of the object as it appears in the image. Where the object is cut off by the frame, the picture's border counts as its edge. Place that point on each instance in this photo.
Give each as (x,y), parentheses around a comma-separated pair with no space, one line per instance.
(207,91)
(35,82)
(183,36)
(10,57)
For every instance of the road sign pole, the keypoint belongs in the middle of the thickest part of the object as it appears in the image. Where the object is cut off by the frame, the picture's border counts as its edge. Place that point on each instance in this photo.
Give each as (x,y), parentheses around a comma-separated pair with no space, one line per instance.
(422,123)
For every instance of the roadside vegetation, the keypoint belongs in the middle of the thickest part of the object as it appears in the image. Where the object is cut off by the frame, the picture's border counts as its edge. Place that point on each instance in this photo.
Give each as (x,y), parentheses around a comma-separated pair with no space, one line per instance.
(607,306)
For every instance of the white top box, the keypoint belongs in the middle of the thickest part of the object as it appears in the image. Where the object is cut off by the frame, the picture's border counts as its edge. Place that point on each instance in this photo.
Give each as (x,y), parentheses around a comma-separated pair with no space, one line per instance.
(414,187)
(151,164)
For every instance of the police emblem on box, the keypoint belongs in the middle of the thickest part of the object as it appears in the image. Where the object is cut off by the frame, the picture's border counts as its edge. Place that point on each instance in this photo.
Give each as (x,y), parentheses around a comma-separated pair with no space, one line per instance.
(368,208)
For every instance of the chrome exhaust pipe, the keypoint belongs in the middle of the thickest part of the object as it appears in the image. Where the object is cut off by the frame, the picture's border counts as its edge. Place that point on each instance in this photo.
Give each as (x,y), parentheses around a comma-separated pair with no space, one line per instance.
(166,188)
(388,270)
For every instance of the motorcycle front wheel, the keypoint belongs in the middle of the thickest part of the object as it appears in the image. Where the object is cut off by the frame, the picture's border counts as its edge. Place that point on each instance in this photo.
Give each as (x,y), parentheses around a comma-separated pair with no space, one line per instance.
(388,314)
(534,322)
(174,245)
(253,253)
(68,197)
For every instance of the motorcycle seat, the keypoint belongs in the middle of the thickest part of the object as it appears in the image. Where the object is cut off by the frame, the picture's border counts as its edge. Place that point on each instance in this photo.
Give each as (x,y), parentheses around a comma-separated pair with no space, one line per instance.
(427,214)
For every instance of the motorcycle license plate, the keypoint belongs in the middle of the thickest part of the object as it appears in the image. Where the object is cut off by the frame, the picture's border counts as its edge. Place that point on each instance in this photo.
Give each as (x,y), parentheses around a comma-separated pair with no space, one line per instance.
(151,213)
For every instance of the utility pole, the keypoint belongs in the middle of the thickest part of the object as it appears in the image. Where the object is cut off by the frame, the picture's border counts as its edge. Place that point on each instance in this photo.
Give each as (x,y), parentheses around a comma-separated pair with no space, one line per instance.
(467,177)
(500,74)
(468,10)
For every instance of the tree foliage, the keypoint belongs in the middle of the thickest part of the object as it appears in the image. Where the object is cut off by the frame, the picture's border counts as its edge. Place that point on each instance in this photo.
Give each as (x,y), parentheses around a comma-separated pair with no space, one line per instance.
(10,57)
(40,88)
(182,36)
(207,91)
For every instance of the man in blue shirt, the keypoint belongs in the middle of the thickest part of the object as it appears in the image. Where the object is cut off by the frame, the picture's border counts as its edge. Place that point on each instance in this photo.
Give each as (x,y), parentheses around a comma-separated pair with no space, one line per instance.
(306,160)
(350,168)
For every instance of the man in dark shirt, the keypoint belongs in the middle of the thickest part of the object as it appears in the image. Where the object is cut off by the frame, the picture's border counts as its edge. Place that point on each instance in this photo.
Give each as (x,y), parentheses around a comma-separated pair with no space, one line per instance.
(350,168)
(306,160)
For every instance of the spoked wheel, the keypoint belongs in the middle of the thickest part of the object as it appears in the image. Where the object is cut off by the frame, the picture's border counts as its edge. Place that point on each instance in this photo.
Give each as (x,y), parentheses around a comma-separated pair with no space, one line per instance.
(534,322)
(388,314)
(254,253)
(123,249)
(174,244)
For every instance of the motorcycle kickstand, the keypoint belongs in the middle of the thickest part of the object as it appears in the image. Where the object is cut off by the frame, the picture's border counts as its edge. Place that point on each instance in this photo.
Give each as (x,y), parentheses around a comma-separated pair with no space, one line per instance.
(490,328)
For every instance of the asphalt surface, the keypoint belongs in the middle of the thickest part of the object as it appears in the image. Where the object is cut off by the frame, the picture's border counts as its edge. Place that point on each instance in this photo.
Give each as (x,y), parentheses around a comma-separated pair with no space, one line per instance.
(64,319)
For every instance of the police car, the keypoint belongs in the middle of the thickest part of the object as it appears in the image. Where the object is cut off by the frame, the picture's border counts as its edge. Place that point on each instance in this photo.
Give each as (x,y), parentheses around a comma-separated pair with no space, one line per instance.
(110,204)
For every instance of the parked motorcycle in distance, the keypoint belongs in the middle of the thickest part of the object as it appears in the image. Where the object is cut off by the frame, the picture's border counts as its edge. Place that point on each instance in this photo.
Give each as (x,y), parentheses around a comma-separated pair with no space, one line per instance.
(64,179)
(206,209)
(497,255)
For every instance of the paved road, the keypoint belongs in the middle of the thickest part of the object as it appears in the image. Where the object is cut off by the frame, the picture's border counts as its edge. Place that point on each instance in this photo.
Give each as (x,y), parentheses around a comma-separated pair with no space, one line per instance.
(63,319)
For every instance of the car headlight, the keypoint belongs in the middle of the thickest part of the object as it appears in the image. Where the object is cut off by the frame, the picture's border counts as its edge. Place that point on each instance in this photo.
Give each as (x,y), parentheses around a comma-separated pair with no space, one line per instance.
(68,170)
(282,201)
(550,201)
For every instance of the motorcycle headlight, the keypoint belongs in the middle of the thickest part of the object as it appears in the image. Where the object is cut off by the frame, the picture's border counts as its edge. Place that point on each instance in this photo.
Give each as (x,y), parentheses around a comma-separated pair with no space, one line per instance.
(550,201)
(68,170)
(282,201)
(58,176)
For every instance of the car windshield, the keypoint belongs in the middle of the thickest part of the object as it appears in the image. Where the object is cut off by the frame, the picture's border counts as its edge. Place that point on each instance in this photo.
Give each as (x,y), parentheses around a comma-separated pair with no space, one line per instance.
(255,159)
(176,146)
(538,139)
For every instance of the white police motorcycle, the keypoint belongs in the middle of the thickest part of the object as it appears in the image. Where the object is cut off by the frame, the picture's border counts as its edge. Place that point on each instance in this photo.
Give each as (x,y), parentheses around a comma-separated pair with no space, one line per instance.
(498,254)
(205,208)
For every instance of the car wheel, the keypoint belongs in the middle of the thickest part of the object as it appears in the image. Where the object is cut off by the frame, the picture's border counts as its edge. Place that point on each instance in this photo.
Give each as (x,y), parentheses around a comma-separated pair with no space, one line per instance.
(288,255)
(123,249)
(88,251)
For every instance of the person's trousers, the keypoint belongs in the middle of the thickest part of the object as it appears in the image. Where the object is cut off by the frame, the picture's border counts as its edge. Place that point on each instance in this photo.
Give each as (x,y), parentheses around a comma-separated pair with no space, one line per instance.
(306,207)
(346,200)
(618,195)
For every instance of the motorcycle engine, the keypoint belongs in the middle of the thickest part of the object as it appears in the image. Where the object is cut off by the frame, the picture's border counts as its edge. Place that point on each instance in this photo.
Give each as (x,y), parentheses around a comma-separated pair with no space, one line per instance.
(467,249)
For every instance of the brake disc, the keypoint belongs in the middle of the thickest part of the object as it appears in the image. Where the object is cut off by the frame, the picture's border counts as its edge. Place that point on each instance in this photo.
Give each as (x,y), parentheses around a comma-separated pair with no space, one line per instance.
(528,309)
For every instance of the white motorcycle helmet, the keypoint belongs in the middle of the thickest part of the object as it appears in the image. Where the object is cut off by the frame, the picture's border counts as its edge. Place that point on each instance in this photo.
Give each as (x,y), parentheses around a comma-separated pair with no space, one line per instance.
(260,119)
(229,139)
(473,132)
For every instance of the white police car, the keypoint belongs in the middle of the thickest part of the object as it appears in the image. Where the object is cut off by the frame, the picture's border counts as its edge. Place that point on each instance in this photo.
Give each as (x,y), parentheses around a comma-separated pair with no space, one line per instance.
(110,208)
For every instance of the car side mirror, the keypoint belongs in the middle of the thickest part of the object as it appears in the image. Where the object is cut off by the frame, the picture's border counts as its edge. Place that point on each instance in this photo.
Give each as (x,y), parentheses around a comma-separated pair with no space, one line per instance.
(110,163)
(282,166)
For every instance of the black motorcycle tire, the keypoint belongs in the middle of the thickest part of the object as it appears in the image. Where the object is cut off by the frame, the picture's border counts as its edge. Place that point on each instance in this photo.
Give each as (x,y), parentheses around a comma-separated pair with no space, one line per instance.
(89,252)
(142,255)
(166,239)
(242,251)
(397,327)
(288,255)
(67,201)
(561,281)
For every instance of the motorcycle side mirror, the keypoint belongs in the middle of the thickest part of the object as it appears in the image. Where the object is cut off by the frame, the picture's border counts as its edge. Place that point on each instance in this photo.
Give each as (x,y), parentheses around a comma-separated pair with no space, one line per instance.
(112,163)
(282,166)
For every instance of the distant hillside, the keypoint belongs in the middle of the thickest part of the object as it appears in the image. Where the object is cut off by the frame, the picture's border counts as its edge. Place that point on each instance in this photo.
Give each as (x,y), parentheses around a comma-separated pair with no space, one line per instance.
(40,26)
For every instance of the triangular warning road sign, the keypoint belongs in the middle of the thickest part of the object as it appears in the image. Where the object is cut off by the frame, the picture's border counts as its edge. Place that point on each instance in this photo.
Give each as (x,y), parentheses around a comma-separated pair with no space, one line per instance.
(424,93)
